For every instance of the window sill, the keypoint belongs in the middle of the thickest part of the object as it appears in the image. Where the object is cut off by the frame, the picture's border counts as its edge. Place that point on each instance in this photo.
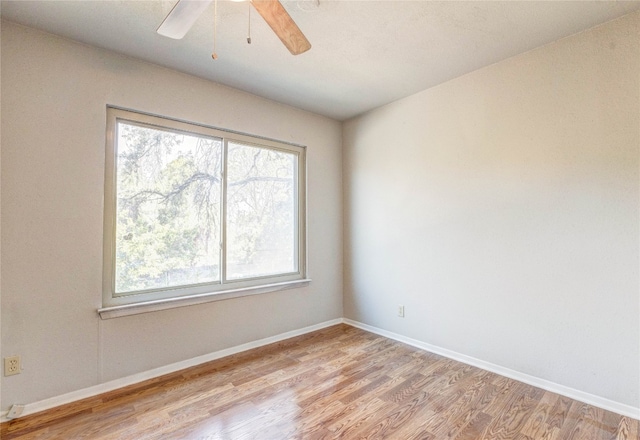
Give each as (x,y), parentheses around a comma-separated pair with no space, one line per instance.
(183,301)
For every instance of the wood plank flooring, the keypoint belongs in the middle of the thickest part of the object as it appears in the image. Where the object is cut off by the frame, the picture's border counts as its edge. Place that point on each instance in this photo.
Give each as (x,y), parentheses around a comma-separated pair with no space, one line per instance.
(339,382)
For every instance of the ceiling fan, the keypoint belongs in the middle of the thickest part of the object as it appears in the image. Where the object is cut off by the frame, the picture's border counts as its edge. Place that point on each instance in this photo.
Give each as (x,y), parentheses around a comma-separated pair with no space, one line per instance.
(186,12)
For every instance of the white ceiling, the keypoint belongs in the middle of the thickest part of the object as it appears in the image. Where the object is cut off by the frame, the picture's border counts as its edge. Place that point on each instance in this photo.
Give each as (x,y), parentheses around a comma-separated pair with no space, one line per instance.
(364,53)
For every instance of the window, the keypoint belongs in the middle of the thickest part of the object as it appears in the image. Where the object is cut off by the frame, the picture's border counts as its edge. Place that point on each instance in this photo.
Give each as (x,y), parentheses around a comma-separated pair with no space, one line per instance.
(194,213)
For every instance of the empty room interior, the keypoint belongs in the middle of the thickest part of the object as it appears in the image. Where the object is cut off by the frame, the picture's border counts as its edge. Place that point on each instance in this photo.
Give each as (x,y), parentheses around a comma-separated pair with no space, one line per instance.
(320,219)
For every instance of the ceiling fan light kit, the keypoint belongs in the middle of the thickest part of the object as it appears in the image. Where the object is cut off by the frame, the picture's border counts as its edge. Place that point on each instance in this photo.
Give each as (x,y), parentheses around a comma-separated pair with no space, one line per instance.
(185,13)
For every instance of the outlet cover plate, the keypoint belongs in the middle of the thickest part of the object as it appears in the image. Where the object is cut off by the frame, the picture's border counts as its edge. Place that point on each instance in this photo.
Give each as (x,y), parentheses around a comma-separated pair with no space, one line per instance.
(11,365)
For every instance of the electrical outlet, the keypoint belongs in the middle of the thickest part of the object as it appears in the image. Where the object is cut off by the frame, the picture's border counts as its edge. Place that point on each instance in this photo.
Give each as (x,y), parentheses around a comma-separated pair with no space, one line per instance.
(11,365)
(401,311)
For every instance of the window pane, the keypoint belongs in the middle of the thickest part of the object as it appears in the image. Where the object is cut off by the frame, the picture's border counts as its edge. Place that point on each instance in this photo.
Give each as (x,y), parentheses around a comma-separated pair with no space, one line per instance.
(168,209)
(261,212)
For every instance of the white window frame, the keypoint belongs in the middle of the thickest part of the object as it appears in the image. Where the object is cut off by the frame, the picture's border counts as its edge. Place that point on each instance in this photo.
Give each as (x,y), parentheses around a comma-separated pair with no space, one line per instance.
(114,305)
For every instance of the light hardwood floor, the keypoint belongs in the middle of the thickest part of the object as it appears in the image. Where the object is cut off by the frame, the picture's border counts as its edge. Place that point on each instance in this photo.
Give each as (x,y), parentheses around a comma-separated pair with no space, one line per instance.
(340,382)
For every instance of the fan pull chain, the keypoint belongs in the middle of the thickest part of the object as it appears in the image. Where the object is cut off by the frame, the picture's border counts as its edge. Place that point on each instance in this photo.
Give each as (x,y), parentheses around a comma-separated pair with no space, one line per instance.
(214,55)
(249,33)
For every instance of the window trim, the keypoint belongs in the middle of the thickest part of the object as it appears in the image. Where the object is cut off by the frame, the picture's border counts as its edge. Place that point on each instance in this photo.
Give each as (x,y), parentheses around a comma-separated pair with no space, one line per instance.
(122,304)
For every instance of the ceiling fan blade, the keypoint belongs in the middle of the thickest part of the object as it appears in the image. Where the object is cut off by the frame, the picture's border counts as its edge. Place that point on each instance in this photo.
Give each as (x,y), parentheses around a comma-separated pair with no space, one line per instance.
(283,25)
(182,17)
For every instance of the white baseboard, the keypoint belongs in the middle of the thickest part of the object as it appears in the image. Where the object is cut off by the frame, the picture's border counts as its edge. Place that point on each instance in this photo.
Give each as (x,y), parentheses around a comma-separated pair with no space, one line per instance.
(597,401)
(32,408)
(600,402)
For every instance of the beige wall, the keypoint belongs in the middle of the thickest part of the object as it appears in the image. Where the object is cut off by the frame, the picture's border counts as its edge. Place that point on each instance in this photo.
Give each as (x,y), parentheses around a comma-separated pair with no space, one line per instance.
(53,139)
(501,208)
